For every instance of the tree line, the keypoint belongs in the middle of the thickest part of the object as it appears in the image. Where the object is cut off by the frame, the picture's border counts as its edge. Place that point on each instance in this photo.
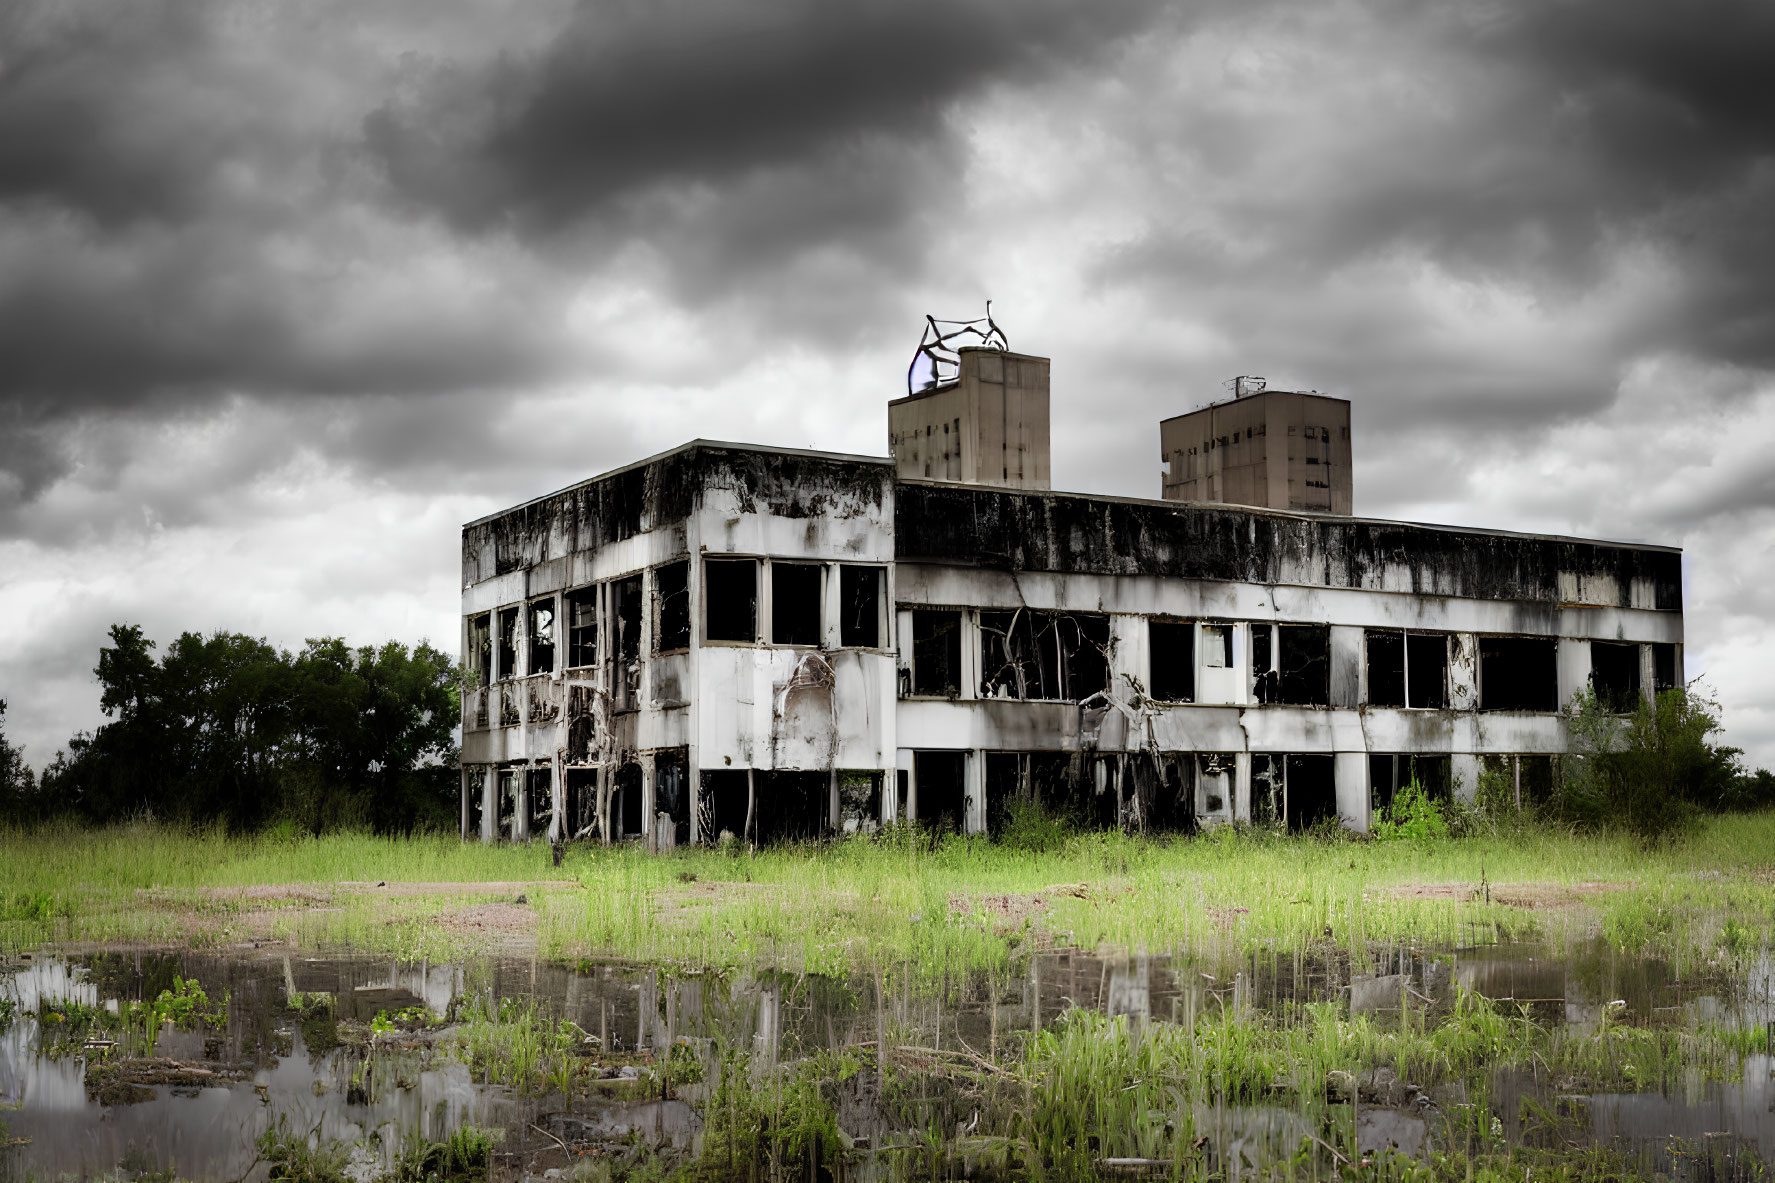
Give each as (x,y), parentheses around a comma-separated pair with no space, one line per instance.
(230,729)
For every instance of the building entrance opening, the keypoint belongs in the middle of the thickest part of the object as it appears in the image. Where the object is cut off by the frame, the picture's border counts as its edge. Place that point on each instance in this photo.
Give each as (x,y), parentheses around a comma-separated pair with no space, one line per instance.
(1292,791)
(726,798)
(579,803)
(941,790)
(792,806)
(625,803)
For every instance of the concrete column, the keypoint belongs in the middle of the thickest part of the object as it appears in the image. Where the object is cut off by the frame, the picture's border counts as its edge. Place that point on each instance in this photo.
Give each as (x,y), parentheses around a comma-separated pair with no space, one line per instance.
(521,811)
(1241,787)
(833,821)
(970,654)
(1574,668)
(974,786)
(489,803)
(1350,770)
(462,805)
(1347,666)
(1463,775)
(1648,674)
(648,822)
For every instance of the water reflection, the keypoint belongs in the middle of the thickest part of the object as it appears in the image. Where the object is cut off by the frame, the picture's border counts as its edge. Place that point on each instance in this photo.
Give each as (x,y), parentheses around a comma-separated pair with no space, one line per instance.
(284,1064)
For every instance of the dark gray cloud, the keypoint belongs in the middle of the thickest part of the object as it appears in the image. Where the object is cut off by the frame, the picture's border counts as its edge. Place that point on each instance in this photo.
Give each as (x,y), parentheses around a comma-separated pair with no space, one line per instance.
(287,291)
(643,93)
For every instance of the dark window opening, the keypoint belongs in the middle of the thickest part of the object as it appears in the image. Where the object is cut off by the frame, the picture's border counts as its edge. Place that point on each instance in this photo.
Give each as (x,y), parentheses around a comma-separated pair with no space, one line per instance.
(730,599)
(1300,674)
(1426,664)
(795,595)
(792,806)
(1527,781)
(1663,667)
(1172,651)
(579,804)
(860,596)
(508,643)
(1386,668)
(936,652)
(902,793)
(1160,793)
(942,790)
(1055,656)
(480,647)
(542,636)
(582,627)
(1293,791)
(726,801)
(1518,674)
(507,803)
(473,794)
(672,587)
(537,784)
(1614,676)
(625,802)
(1387,774)
(671,791)
(625,615)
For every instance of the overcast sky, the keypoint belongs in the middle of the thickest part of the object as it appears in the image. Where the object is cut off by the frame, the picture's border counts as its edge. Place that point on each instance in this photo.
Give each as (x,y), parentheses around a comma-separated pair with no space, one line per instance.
(288,292)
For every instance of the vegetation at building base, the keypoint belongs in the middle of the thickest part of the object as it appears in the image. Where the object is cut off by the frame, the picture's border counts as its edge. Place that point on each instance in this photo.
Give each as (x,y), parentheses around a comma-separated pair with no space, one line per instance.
(229,729)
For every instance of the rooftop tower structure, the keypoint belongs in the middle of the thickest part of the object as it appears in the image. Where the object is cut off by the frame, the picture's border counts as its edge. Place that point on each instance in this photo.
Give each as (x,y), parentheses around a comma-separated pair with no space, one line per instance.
(1278,449)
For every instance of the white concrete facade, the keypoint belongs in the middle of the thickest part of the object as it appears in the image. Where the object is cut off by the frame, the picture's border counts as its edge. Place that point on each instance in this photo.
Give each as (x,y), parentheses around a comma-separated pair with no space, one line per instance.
(1377,641)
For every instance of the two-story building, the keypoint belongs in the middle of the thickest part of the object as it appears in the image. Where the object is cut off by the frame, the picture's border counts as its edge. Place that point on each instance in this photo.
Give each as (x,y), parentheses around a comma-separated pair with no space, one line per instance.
(770,643)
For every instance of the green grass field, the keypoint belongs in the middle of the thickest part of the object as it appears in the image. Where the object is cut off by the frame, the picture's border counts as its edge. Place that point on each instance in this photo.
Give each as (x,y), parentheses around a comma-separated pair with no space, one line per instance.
(962,905)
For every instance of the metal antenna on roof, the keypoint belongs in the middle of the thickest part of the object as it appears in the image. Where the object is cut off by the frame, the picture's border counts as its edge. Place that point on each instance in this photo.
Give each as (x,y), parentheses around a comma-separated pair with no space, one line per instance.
(936,362)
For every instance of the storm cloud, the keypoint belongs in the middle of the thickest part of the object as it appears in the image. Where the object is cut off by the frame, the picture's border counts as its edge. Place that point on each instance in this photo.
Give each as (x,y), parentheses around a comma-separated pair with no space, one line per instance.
(288,293)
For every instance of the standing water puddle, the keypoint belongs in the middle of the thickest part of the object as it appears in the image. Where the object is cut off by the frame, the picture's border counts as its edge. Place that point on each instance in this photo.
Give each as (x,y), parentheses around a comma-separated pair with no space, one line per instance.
(369,1053)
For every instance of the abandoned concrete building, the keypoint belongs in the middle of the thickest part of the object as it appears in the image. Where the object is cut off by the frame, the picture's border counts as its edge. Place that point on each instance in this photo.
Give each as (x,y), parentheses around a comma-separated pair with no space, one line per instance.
(766,643)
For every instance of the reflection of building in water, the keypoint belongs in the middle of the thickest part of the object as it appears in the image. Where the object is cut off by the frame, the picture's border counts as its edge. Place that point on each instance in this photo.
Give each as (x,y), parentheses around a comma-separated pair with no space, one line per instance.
(729,639)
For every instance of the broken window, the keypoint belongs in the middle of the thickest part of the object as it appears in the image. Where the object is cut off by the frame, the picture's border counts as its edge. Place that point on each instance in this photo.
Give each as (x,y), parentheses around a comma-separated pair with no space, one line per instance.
(625,616)
(672,587)
(1164,792)
(1056,656)
(1527,780)
(942,790)
(1295,791)
(795,596)
(730,600)
(582,627)
(538,786)
(1518,674)
(579,804)
(1300,672)
(507,804)
(508,643)
(1614,676)
(860,597)
(542,636)
(1217,646)
(1426,670)
(480,647)
(1407,669)
(1172,653)
(1387,774)
(1663,667)
(724,806)
(1386,667)
(936,652)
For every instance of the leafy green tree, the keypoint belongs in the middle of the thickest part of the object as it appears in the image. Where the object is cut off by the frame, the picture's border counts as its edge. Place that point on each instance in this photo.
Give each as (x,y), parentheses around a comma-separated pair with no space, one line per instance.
(1651,770)
(18,784)
(229,728)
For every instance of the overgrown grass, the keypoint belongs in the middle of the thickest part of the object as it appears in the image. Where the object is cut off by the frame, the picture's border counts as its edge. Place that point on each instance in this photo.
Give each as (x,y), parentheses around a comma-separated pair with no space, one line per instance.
(962,906)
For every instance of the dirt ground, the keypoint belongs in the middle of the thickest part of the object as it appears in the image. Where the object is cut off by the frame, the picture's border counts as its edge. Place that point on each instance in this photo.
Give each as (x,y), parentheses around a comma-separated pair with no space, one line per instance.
(1515,895)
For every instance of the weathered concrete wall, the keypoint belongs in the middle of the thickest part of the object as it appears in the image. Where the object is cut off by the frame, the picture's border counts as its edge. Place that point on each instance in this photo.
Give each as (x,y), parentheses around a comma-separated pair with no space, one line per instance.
(1070,533)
